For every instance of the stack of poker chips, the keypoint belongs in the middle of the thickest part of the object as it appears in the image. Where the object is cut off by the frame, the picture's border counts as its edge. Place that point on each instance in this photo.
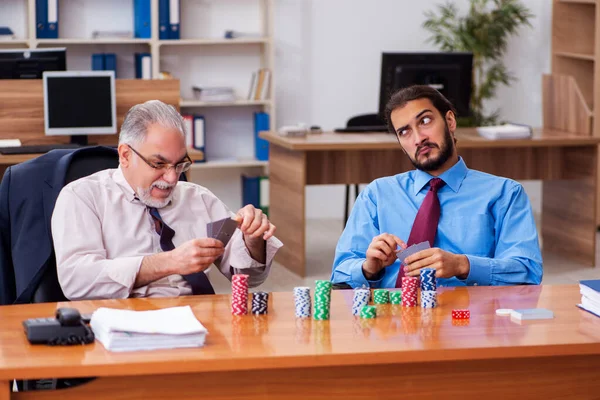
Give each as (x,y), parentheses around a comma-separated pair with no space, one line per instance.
(381,296)
(322,300)
(428,288)
(239,294)
(361,298)
(396,297)
(302,301)
(368,312)
(410,286)
(260,300)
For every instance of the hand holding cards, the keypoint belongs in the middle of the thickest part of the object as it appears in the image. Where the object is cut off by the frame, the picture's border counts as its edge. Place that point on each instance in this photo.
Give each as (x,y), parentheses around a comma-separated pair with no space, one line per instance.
(415,248)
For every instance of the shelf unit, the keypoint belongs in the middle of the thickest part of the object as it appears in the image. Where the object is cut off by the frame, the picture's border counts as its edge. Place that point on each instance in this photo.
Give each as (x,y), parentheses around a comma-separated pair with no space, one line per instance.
(261,43)
(576,66)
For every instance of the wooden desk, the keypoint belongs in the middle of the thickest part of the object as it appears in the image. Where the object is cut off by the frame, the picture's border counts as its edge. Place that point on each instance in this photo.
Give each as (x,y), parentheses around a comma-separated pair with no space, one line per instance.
(566,164)
(409,351)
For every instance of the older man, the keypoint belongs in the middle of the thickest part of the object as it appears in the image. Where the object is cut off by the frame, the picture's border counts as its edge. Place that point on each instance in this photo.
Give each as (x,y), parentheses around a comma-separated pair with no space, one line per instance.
(136,231)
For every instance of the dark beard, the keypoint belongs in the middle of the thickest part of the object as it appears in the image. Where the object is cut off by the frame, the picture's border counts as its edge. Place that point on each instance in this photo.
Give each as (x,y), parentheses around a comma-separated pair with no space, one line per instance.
(433,164)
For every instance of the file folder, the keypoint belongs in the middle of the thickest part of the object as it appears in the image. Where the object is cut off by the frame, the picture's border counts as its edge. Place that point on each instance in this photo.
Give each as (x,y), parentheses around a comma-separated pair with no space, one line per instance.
(261,146)
(46,19)
(174,16)
(163,19)
(142,19)
(143,66)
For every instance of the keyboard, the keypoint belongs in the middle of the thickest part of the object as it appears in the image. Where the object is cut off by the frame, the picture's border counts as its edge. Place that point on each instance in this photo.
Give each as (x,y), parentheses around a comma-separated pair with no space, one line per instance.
(36,148)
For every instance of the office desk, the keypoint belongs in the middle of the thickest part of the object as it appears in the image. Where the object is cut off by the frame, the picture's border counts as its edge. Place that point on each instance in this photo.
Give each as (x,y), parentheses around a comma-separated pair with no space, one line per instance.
(564,162)
(407,352)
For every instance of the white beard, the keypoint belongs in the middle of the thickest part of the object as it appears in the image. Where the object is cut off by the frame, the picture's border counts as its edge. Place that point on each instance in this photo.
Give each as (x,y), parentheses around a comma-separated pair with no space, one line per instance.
(146,198)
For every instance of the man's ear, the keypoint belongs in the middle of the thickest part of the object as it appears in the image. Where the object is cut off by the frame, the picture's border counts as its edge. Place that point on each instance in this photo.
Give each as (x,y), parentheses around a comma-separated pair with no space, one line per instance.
(124,155)
(451,121)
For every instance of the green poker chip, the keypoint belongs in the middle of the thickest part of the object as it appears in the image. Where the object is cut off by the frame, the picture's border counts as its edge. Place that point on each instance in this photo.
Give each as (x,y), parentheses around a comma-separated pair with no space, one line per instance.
(396,297)
(381,296)
(368,312)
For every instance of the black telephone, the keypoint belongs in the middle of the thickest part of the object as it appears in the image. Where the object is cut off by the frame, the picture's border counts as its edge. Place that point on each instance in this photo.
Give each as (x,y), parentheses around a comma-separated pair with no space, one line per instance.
(67,328)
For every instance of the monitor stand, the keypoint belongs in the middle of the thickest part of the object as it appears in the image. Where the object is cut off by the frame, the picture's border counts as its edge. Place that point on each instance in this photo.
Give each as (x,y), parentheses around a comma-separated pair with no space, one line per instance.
(81,140)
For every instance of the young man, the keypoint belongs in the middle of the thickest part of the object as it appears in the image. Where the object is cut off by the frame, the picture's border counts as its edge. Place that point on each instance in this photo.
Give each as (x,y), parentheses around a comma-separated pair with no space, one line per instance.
(136,231)
(480,227)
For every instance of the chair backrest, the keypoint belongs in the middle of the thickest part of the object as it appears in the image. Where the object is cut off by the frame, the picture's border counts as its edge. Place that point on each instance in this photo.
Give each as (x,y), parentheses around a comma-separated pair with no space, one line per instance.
(82,164)
(364,120)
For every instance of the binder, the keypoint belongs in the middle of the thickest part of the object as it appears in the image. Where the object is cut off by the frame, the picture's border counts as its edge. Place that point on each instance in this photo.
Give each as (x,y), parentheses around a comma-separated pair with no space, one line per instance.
(141,19)
(189,130)
(98,62)
(255,191)
(163,19)
(143,66)
(261,146)
(46,19)
(263,194)
(110,62)
(174,17)
(199,134)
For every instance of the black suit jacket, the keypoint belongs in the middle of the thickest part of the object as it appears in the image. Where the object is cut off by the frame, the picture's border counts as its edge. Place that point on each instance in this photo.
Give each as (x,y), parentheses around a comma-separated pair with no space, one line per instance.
(28,193)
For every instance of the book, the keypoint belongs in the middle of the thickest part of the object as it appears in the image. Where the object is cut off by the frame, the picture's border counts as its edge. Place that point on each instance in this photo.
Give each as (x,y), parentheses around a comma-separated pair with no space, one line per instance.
(590,296)
(127,330)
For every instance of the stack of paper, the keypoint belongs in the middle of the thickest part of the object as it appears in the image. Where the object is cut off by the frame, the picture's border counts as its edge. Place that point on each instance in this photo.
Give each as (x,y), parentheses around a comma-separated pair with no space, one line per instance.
(590,296)
(214,94)
(126,330)
(506,131)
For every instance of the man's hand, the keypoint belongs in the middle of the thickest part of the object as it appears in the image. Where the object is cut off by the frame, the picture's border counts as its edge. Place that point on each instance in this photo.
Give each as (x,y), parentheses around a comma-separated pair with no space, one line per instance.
(195,255)
(381,253)
(446,264)
(254,224)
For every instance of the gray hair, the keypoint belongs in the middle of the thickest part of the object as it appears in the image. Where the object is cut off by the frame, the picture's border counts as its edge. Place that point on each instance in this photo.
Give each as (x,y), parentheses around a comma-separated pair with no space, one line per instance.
(137,119)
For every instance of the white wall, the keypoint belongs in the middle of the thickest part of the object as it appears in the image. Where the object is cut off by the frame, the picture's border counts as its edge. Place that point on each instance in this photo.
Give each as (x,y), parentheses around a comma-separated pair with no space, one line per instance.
(328,62)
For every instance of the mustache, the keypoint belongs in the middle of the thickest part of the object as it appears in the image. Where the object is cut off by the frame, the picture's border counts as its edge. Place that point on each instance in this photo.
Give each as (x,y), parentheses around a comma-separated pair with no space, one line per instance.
(162,185)
(424,145)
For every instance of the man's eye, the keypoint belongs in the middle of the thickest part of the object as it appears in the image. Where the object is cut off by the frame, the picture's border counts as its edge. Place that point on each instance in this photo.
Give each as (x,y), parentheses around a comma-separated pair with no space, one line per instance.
(426,120)
(159,165)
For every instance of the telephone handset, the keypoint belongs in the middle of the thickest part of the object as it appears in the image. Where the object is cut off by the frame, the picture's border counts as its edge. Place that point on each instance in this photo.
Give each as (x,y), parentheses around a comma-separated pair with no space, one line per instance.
(67,328)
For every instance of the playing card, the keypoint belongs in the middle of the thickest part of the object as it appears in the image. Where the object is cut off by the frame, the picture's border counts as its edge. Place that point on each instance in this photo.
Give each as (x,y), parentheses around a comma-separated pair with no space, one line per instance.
(226,230)
(213,228)
(415,248)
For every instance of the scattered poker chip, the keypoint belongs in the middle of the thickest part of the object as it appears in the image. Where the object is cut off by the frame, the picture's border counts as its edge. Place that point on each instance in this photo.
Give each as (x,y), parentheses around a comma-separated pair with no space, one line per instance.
(302,302)
(503,312)
(368,312)
(361,298)
(396,297)
(260,301)
(381,296)
(461,314)
(410,286)
(239,294)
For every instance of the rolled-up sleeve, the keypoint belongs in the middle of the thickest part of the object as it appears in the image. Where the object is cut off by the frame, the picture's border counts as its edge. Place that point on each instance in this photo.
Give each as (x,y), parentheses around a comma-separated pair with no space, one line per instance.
(84,272)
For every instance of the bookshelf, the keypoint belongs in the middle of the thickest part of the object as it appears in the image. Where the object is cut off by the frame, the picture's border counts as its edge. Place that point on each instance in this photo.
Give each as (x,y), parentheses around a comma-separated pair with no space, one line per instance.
(572,92)
(201,57)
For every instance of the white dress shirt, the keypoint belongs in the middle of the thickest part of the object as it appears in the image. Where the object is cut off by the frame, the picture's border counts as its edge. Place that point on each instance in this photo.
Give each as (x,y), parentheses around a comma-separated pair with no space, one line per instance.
(101,233)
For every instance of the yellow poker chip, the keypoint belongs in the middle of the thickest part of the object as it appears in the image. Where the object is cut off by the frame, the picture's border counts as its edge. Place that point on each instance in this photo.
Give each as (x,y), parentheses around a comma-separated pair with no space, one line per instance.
(503,312)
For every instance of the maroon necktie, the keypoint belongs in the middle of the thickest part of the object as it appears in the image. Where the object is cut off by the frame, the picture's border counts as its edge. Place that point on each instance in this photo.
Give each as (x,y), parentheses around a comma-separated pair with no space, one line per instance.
(426,222)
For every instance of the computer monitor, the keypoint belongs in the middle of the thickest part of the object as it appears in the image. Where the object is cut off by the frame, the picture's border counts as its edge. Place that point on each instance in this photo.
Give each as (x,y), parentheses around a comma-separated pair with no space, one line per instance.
(449,73)
(31,63)
(79,103)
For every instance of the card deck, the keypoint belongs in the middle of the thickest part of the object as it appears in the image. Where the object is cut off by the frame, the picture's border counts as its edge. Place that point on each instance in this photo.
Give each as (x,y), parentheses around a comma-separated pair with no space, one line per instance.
(415,248)
(222,229)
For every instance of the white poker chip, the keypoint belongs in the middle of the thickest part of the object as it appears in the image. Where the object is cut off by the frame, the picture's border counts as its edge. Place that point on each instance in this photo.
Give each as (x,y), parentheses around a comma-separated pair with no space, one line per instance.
(503,312)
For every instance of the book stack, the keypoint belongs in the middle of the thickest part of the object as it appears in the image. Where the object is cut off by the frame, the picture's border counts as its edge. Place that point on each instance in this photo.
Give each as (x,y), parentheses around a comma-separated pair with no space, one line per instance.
(214,94)
(126,330)
(590,296)
(260,85)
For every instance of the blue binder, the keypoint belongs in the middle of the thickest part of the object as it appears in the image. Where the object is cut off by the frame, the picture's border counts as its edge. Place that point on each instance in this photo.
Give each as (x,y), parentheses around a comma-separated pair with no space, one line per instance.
(199,138)
(140,72)
(98,62)
(174,17)
(251,191)
(110,62)
(261,146)
(46,19)
(141,19)
(163,19)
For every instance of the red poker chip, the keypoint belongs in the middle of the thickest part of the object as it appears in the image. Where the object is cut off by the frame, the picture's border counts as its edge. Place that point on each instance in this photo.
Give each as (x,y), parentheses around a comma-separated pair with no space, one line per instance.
(461,314)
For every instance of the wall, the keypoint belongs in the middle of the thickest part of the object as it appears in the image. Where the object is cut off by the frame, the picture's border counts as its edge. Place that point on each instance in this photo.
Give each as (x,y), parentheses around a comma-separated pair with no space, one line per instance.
(328,62)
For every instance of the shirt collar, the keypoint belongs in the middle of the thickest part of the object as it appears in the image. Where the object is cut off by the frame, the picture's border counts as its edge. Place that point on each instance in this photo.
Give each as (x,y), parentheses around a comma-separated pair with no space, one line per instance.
(453,177)
(120,180)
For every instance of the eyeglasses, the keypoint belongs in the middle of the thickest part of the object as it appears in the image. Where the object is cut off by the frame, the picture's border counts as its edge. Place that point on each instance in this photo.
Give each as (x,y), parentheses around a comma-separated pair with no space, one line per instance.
(165,167)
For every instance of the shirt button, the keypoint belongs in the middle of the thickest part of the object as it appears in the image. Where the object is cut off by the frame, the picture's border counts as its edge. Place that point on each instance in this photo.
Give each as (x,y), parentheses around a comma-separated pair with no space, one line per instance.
(475,284)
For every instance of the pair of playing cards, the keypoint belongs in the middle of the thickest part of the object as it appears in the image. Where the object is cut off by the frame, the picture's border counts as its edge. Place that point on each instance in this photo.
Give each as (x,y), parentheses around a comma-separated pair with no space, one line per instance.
(415,248)
(222,230)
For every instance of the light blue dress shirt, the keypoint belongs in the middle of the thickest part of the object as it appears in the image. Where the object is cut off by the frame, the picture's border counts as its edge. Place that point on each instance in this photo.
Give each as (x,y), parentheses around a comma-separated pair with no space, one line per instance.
(485,217)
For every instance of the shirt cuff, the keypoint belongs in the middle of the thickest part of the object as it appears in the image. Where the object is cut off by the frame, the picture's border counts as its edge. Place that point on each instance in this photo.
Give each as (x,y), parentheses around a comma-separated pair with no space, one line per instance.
(358,278)
(241,258)
(125,271)
(480,271)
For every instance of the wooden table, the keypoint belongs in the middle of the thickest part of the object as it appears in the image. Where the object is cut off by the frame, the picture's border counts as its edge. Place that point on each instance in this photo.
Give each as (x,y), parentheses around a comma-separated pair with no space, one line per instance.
(409,351)
(566,164)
